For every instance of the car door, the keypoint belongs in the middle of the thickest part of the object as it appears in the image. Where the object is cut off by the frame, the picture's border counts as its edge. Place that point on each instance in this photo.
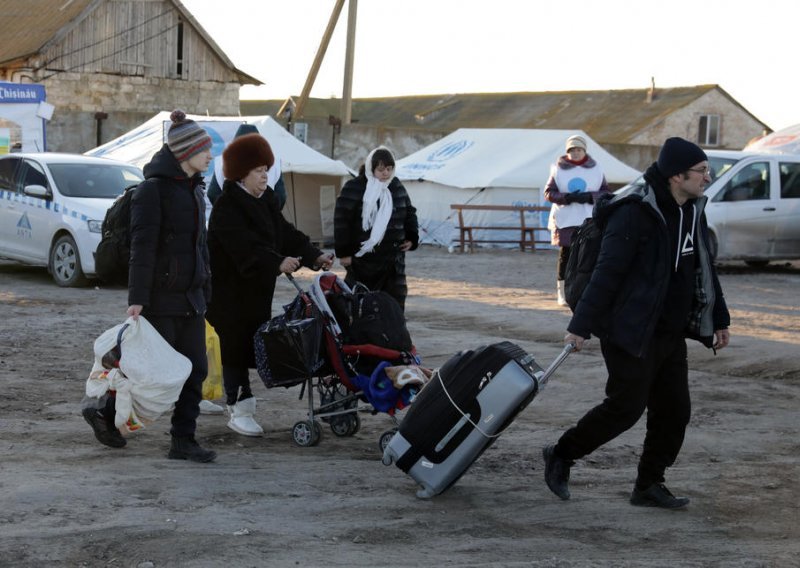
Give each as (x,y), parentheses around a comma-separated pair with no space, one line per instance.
(37,222)
(745,212)
(787,230)
(12,220)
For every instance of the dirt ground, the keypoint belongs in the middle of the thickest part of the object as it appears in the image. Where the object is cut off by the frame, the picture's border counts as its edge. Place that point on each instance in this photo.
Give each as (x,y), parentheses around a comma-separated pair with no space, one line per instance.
(66,500)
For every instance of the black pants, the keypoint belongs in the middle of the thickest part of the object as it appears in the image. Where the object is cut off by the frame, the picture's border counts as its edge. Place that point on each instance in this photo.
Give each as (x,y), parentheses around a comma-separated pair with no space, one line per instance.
(187,335)
(236,381)
(561,264)
(389,281)
(658,383)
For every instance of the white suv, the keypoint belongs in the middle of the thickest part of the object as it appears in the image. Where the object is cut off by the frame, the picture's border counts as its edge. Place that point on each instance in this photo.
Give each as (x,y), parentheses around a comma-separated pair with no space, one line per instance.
(52,206)
(754,209)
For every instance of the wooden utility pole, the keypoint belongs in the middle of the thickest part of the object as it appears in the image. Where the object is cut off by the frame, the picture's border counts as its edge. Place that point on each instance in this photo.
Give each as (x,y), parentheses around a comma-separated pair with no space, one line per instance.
(346,112)
(323,47)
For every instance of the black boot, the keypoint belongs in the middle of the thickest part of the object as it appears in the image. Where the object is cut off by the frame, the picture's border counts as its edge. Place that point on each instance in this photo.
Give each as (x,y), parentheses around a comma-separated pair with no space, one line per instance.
(556,472)
(105,431)
(657,495)
(188,449)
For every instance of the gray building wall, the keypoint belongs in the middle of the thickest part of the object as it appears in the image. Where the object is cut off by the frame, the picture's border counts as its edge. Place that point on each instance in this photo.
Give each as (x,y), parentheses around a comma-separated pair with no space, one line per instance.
(128,101)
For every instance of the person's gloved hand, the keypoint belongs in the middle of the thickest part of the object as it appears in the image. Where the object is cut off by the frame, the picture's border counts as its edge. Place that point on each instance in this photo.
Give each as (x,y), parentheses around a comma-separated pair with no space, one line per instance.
(582,197)
(569,198)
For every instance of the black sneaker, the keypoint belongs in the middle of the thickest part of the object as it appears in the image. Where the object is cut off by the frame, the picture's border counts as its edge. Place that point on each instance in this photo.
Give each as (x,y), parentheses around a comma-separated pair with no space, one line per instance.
(189,449)
(657,495)
(556,472)
(105,432)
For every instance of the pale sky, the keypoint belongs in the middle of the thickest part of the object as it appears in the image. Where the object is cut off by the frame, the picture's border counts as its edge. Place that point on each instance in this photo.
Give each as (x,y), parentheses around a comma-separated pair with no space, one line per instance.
(415,47)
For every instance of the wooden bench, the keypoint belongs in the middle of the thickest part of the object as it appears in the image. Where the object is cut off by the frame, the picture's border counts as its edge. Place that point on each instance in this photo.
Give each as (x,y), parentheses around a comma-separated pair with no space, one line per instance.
(527,234)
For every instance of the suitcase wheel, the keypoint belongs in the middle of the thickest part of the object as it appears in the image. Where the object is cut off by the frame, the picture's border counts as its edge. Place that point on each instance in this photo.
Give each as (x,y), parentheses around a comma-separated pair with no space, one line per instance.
(383,442)
(307,433)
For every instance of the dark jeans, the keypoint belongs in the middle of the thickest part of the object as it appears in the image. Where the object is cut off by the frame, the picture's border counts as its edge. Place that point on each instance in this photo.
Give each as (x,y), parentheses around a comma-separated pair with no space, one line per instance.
(187,335)
(561,264)
(658,383)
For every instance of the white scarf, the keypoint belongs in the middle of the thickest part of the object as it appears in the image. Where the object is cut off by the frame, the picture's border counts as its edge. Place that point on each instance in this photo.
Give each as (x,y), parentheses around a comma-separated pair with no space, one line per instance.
(376,208)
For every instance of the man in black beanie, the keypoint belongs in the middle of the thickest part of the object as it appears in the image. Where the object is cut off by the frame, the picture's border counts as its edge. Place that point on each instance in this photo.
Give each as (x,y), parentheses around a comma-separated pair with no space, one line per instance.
(653,285)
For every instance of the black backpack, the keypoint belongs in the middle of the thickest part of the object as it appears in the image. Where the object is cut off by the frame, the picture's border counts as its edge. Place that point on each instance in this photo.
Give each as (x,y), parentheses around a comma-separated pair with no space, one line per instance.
(371,318)
(114,251)
(583,253)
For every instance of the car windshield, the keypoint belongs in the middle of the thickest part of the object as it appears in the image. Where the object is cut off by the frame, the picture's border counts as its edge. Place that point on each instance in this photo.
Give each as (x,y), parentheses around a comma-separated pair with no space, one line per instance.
(94,180)
(718,166)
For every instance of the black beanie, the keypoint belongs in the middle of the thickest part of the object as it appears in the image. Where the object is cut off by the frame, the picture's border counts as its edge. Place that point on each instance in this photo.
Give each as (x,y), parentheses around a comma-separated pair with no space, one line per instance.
(678,155)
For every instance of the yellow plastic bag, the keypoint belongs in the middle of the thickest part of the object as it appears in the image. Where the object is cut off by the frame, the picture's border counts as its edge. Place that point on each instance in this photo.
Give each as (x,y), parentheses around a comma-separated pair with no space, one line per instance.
(212,386)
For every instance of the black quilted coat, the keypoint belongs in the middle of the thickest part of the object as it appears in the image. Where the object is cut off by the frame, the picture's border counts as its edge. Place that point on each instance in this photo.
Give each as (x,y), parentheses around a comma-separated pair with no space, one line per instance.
(169,270)
(348,234)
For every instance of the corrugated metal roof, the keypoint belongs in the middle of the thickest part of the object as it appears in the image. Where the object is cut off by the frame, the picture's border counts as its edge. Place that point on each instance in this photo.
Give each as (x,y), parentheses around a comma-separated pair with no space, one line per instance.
(26,26)
(609,116)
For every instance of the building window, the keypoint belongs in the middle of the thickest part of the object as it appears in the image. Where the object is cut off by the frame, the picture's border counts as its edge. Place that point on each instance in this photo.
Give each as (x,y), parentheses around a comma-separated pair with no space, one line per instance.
(708,131)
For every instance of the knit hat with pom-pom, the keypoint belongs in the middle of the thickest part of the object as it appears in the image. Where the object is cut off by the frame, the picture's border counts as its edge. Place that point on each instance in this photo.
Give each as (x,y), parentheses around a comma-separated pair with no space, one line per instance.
(186,138)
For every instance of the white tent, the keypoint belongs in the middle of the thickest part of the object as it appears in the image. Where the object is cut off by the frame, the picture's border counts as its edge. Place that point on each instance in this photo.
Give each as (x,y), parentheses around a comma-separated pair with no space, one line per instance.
(784,141)
(312,180)
(489,167)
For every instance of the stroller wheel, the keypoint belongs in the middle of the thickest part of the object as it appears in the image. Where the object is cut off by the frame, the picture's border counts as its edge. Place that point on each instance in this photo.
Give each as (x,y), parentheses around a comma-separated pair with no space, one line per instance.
(345,424)
(306,433)
(385,438)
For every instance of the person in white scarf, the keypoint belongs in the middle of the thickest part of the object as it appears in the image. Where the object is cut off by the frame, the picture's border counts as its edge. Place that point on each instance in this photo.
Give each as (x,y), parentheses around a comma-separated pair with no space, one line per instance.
(377,204)
(374,226)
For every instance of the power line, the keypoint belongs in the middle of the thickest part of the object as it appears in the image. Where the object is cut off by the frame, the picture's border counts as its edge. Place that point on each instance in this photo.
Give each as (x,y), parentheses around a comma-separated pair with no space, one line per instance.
(126,48)
(98,42)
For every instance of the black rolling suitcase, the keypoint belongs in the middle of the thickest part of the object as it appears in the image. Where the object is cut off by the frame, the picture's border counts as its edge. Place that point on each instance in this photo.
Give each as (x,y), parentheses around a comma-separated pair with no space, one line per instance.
(462,410)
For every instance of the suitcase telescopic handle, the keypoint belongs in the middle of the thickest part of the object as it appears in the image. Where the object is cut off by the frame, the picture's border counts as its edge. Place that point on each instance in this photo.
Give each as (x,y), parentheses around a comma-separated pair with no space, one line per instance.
(568,348)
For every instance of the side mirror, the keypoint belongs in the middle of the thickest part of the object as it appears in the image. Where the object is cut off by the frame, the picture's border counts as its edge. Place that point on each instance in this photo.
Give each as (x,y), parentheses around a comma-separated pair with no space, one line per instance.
(39,191)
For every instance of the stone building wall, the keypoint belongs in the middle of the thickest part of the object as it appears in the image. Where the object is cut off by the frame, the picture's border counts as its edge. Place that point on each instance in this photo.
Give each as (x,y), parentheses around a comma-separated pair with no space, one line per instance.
(128,101)
(737,127)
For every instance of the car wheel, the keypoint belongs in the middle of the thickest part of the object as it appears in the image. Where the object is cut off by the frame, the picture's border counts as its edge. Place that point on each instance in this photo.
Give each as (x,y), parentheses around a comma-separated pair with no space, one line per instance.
(756,263)
(65,263)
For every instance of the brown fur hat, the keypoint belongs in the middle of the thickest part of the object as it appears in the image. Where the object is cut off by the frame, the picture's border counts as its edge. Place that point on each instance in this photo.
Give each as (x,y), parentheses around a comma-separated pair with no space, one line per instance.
(246,153)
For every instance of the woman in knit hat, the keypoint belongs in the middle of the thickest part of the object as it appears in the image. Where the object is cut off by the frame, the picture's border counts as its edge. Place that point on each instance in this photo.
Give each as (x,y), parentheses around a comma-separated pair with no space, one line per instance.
(374,226)
(169,280)
(575,183)
(251,244)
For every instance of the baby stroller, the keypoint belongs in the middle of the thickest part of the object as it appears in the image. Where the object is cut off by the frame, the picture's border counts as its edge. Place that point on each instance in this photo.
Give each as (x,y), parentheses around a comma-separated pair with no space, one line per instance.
(350,347)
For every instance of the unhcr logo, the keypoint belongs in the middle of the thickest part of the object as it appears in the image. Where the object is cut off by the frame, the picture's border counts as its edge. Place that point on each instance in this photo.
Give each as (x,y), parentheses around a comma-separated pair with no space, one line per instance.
(450,151)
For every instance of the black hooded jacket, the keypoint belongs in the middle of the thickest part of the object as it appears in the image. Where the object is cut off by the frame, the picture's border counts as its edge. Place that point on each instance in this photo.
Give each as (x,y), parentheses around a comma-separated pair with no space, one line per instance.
(169,269)
(639,284)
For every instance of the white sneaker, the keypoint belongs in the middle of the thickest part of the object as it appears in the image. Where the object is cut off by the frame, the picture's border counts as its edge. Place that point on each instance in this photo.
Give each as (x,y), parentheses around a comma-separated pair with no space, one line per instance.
(208,407)
(242,421)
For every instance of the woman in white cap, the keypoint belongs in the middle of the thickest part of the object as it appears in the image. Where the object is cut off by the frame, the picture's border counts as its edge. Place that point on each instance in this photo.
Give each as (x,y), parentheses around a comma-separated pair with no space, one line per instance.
(576,181)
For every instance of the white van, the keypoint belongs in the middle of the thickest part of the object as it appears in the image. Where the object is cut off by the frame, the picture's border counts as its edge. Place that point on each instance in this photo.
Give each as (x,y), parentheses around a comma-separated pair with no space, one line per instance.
(52,207)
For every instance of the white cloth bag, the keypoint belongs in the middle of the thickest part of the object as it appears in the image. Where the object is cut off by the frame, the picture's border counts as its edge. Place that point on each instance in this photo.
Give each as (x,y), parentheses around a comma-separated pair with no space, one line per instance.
(150,376)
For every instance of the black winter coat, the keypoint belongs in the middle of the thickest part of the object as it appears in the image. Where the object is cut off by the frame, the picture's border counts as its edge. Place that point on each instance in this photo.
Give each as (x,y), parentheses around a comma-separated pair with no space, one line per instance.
(348,234)
(169,270)
(248,238)
(625,296)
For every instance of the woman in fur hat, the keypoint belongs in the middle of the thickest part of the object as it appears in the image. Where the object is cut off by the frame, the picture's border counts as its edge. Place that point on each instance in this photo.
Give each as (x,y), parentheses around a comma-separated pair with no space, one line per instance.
(374,226)
(576,181)
(250,244)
